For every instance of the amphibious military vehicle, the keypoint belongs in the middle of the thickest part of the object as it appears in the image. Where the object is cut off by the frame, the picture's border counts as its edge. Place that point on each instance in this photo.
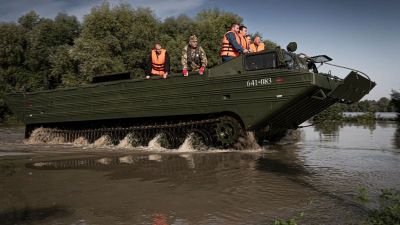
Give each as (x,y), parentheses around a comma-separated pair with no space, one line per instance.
(265,92)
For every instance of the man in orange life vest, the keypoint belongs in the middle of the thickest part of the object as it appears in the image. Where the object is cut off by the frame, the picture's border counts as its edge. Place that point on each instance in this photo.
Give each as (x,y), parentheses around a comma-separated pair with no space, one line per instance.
(231,44)
(257,45)
(158,62)
(243,33)
(248,39)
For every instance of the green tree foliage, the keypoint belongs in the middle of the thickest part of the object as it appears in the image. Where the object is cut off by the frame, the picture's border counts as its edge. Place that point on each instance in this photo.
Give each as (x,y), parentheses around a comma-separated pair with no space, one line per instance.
(26,49)
(43,40)
(395,100)
(385,210)
(333,113)
(369,107)
(114,39)
(211,26)
(388,211)
(174,34)
(29,20)
(64,68)
(12,41)
(270,44)
(382,105)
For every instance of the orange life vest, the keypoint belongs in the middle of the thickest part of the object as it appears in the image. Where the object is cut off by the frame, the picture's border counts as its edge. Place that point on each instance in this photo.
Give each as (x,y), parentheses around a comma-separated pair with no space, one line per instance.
(257,48)
(157,62)
(227,48)
(243,41)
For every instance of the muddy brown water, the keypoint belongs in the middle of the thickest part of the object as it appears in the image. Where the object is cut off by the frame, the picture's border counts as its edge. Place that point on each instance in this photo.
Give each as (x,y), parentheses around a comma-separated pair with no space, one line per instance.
(315,171)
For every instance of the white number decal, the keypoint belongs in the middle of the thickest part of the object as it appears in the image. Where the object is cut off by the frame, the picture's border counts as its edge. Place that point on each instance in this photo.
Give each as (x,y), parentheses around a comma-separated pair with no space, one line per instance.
(259,82)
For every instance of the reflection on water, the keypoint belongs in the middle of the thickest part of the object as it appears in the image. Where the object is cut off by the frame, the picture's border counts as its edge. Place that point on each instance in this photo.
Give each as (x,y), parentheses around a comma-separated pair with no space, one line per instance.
(332,129)
(377,135)
(315,170)
(31,215)
(396,138)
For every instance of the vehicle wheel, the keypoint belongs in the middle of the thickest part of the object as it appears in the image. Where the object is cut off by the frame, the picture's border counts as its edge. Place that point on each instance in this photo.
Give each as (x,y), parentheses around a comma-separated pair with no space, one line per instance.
(228,131)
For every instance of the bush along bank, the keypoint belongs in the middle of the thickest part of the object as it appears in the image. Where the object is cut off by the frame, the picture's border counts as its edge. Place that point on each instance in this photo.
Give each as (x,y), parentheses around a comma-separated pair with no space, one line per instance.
(386,208)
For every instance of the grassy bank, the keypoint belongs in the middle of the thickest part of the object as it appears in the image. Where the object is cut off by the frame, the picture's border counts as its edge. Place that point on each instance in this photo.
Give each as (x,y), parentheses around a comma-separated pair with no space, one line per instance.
(383,210)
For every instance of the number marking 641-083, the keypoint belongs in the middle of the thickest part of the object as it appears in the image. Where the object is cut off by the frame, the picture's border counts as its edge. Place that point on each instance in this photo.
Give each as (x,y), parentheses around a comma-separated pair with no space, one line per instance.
(258,82)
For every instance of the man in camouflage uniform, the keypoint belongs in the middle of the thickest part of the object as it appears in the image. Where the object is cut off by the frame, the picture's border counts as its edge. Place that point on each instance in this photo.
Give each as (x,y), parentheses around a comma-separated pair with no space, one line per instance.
(193,57)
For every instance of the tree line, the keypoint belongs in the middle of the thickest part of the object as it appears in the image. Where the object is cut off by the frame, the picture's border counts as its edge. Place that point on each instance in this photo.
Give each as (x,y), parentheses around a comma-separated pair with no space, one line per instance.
(335,112)
(39,53)
(382,105)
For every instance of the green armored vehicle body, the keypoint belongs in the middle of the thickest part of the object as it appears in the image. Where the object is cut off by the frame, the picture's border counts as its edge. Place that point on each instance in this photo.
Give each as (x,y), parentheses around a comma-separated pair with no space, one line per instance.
(262,92)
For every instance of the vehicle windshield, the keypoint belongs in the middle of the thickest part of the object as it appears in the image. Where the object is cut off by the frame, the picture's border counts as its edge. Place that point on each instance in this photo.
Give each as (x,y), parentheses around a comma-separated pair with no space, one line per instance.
(261,61)
(321,59)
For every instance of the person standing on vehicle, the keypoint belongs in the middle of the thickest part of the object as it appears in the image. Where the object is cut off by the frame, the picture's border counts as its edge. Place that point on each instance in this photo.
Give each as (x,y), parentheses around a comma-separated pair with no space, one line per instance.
(158,63)
(231,44)
(243,39)
(248,39)
(193,57)
(257,45)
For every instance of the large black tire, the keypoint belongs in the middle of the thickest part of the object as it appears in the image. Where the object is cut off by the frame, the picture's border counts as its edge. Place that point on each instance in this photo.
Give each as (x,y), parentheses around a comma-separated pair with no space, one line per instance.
(228,130)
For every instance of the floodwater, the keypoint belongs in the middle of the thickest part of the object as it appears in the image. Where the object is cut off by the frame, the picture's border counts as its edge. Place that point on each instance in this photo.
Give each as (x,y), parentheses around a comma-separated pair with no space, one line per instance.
(316,171)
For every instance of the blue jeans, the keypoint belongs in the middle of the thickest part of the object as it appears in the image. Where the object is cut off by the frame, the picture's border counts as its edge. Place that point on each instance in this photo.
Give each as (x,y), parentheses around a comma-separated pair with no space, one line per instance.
(227,58)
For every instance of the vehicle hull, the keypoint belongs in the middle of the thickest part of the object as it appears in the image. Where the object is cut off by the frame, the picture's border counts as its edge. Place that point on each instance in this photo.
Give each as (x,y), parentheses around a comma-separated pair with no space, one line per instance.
(281,98)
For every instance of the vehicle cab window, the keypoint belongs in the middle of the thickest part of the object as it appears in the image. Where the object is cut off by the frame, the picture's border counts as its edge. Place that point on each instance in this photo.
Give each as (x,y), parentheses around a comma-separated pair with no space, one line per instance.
(260,61)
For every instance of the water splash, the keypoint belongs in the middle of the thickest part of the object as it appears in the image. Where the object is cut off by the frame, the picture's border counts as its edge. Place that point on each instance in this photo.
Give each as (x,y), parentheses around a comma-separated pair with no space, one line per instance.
(125,143)
(44,135)
(81,141)
(192,142)
(154,144)
(130,141)
(187,145)
(249,142)
(103,141)
(291,137)
(57,140)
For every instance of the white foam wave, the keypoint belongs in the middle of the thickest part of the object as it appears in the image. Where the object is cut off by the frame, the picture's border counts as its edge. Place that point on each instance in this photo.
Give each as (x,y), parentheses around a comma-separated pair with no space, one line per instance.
(192,143)
(154,144)
(103,141)
(187,145)
(81,141)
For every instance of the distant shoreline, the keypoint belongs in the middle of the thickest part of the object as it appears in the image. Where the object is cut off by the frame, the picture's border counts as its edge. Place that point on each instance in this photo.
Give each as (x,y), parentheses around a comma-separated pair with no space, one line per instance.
(392,116)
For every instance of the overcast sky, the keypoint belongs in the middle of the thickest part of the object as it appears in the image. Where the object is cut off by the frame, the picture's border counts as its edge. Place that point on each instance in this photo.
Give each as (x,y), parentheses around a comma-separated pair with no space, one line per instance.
(362,34)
